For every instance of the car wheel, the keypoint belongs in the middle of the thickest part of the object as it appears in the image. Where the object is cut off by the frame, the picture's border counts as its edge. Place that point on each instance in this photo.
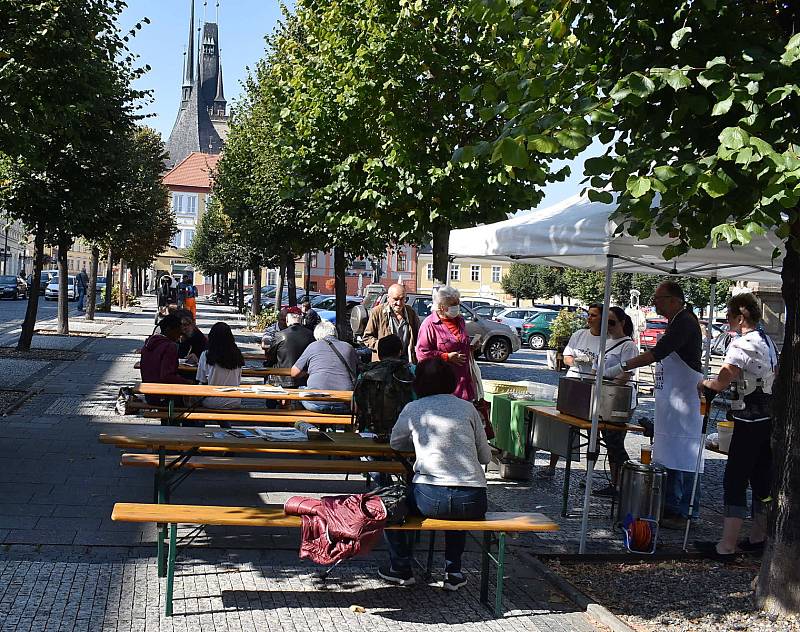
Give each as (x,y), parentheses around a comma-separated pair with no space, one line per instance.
(537,342)
(497,349)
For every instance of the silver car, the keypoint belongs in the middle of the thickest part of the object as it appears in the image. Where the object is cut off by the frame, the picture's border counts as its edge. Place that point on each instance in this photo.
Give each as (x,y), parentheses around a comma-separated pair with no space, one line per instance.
(51,291)
(515,316)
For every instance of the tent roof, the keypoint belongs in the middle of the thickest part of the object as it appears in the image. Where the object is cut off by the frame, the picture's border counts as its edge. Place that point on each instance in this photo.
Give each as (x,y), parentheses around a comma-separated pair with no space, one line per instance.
(578,233)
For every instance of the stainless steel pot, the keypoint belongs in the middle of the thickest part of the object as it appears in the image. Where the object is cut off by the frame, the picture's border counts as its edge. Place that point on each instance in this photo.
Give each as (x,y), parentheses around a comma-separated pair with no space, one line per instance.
(575,398)
(641,491)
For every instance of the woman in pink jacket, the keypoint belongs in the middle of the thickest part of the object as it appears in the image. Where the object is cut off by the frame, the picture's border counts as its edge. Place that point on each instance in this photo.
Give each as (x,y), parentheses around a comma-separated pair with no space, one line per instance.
(444,334)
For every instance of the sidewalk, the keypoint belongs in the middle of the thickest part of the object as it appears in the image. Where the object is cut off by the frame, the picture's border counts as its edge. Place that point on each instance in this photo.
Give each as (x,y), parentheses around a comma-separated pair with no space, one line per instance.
(65,565)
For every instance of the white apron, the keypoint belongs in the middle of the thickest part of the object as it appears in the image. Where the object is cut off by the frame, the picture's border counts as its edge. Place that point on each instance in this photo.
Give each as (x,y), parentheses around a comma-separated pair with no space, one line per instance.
(678,423)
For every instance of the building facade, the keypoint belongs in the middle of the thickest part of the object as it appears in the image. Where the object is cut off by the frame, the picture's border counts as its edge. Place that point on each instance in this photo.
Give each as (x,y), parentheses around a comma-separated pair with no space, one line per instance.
(17,249)
(471,277)
(398,265)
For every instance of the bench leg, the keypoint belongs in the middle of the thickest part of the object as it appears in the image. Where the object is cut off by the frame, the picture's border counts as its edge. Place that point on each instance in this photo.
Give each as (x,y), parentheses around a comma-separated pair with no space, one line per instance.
(567,470)
(429,565)
(173,531)
(487,543)
(501,563)
(161,529)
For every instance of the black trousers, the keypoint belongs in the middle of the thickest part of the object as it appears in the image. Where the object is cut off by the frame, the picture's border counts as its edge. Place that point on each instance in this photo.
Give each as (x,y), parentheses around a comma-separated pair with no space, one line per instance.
(749,462)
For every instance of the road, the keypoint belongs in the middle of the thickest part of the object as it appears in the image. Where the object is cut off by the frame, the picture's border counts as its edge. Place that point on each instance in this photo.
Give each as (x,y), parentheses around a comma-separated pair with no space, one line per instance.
(12,313)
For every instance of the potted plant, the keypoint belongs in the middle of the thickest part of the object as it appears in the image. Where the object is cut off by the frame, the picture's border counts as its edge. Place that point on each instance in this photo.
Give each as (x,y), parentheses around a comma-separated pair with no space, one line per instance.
(564,325)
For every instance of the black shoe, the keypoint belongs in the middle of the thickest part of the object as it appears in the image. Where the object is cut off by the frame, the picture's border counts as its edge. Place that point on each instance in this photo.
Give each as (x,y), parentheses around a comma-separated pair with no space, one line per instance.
(609,491)
(672,521)
(401,578)
(752,547)
(454,581)
(709,551)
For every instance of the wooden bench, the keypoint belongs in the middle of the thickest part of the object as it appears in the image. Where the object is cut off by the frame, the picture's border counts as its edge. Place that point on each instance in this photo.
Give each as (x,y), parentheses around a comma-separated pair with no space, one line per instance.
(245,464)
(273,516)
(240,416)
(139,405)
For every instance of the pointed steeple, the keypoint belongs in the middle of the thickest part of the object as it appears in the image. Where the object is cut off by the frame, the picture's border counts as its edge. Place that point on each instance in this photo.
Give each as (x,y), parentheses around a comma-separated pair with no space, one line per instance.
(220,90)
(188,77)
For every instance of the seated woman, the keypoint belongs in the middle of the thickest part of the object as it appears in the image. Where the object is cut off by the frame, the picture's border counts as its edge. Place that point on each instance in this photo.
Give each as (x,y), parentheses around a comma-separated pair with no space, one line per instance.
(447,435)
(220,365)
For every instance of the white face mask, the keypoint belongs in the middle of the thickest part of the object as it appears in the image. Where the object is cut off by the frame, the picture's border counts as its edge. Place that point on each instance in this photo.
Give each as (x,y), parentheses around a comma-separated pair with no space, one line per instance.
(452,312)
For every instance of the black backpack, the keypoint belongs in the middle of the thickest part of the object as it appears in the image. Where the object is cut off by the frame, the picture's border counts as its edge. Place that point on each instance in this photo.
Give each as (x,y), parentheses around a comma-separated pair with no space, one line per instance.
(381,392)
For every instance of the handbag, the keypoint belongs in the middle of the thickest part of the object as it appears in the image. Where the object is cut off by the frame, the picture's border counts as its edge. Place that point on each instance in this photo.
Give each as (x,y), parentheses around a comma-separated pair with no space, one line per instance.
(483,407)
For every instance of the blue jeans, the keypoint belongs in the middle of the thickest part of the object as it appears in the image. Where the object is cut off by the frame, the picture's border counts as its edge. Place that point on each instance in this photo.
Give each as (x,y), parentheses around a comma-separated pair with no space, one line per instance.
(339,408)
(679,493)
(437,501)
(81,298)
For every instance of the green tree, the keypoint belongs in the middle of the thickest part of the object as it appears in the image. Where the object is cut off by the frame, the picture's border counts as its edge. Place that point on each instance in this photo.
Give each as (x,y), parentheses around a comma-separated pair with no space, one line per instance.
(521,281)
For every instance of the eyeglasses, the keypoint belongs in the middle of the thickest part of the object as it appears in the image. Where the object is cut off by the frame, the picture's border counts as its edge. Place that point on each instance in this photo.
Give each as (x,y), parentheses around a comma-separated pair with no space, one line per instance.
(611,323)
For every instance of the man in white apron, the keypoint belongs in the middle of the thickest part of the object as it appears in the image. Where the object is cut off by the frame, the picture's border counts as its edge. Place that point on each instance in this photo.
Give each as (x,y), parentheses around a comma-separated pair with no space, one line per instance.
(678,423)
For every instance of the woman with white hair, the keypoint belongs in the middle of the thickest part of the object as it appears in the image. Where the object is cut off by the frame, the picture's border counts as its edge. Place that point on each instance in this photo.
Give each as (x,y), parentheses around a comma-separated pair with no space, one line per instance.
(330,365)
(443,334)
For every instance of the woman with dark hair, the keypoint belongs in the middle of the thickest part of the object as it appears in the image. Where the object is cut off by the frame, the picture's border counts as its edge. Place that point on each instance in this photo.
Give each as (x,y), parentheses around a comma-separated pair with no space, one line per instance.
(619,347)
(749,368)
(220,365)
(448,437)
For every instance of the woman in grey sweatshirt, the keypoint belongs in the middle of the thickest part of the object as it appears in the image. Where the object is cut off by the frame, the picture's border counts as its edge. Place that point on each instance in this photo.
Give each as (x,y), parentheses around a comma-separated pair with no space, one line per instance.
(447,435)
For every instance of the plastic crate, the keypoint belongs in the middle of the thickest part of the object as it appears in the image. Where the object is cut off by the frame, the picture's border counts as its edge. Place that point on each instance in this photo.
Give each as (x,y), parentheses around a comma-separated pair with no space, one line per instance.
(499,387)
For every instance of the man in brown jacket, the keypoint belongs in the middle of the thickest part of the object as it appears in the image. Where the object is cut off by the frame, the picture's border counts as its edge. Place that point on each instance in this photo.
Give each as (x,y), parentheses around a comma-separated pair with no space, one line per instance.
(393,317)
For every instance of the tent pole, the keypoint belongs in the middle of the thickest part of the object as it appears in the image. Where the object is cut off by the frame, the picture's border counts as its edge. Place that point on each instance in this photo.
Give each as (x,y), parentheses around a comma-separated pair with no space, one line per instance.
(591,454)
(712,298)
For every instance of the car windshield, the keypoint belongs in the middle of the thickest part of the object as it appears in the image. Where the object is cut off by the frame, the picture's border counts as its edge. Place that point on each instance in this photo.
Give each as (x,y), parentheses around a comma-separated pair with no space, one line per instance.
(7,278)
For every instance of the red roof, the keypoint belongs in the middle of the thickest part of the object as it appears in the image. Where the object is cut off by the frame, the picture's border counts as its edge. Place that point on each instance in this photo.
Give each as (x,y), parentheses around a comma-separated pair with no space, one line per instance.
(193,171)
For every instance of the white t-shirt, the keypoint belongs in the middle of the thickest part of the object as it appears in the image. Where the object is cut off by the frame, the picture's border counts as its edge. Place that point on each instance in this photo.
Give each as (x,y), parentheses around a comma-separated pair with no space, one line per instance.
(215,375)
(754,356)
(617,351)
(582,342)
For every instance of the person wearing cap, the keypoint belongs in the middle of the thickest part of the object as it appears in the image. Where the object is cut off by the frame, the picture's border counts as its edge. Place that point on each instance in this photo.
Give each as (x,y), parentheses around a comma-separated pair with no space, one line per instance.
(288,345)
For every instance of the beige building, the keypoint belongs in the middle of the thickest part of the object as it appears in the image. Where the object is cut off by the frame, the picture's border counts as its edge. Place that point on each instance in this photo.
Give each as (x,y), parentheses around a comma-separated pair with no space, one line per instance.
(471,277)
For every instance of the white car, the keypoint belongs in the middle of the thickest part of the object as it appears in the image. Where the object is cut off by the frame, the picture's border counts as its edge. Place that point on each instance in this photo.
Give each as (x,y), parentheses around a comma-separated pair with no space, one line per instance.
(51,291)
(515,316)
(473,302)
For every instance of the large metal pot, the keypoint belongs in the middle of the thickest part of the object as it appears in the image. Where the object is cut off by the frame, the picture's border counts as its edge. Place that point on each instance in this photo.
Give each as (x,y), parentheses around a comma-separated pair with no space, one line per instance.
(575,398)
(641,491)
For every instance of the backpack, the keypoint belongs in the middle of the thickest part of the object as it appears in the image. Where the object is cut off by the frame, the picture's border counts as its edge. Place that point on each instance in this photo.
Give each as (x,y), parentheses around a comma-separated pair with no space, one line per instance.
(381,392)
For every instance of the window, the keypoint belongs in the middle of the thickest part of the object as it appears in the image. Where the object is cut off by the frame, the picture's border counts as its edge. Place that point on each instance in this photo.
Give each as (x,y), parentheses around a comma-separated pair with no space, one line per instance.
(496,270)
(271,277)
(402,261)
(188,237)
(314,260)
(429,272)
(176,240)
(475,273)
(184,203)
(455,272)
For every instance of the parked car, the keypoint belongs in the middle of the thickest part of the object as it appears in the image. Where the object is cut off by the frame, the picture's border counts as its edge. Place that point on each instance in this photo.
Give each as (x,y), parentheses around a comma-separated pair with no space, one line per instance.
(328,303)
(101,286)
(51,292)
(44,280)
(536,330)
(489,311)
(558,308)
(265,294)
(13,287)
(515,316)
(495,341)
(479,301)
(654,329)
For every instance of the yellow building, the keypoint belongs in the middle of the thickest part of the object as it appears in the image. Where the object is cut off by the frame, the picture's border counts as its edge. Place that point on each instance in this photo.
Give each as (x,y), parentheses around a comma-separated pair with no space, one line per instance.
(471,277)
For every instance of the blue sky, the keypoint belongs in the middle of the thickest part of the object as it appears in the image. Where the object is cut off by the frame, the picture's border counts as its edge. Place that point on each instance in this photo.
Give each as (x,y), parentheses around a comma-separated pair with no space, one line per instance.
(243,25)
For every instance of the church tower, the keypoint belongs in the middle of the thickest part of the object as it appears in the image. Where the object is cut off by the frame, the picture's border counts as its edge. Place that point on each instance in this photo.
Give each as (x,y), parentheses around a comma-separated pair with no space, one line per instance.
(202,121)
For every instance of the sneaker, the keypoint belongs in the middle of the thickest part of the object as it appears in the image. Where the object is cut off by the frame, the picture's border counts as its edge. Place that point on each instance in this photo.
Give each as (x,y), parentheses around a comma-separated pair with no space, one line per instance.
(401,578)
(454,581)
(609,491)
(546,472)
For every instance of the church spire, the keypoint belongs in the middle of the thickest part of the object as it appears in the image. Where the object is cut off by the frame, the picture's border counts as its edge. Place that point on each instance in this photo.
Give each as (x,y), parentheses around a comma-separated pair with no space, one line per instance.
(188,77)
(220,90)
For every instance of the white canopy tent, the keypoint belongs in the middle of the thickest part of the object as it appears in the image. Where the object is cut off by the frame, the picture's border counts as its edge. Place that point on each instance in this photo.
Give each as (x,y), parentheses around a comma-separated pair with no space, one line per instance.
(578,233)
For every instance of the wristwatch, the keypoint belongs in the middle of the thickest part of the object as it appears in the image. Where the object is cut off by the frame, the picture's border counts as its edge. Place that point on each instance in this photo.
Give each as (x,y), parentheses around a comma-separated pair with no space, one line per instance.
(624,365)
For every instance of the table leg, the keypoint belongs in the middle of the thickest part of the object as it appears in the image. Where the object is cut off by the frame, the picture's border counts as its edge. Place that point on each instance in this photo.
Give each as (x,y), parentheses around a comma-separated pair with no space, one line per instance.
(171,412)
(501,563)
(161,529)
(173,545)
(431,543)
(487,543)
(567,470)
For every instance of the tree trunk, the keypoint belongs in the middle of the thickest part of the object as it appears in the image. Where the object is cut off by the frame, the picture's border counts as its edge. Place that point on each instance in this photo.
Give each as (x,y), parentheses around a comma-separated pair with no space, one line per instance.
(340,271)
(291,281)
(240,290)
(91,296)
(63,287)
(122,293)
(109,281)
(256,290)
(441,245)
(29,324)
(307,278)
(778,586)
(279,288)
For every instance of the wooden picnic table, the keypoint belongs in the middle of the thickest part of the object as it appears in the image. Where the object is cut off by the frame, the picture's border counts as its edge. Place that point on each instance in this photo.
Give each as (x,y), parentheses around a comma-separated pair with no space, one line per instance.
(561,434)
(247,371)
(243,392)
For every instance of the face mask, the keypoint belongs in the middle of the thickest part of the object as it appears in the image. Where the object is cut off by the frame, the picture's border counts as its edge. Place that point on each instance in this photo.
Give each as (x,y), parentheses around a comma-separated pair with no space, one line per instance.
(452,312)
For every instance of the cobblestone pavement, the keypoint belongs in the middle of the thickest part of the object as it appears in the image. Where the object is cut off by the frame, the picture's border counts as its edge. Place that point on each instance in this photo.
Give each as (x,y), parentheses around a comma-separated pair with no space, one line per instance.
(64,565)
